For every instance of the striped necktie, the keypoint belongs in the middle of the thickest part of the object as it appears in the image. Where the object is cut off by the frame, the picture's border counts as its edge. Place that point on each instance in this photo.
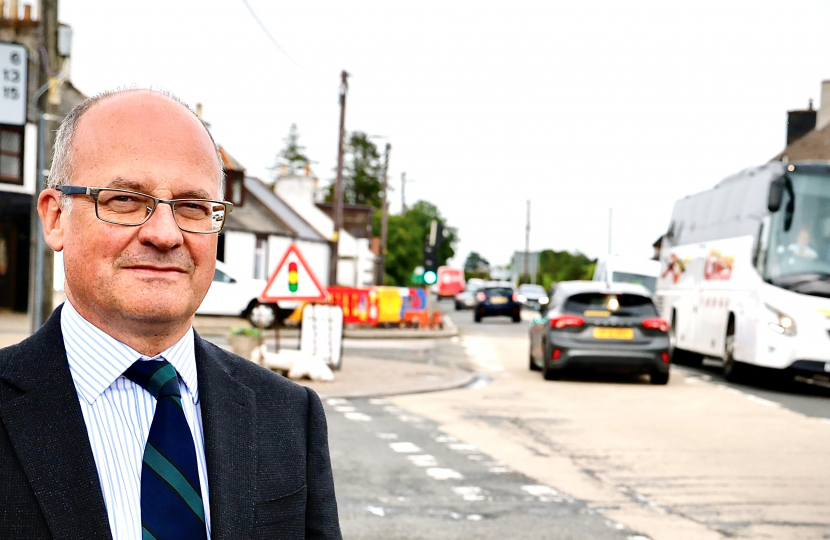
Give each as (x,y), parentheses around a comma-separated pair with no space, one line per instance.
(171,496)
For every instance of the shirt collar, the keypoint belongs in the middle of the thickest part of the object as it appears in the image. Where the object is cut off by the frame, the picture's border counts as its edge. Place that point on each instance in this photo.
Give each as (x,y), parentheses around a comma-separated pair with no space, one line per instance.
(96,359)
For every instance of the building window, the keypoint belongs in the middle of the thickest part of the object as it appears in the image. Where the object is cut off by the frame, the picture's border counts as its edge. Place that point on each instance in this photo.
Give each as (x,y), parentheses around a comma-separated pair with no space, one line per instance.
(261,257)
(11,155)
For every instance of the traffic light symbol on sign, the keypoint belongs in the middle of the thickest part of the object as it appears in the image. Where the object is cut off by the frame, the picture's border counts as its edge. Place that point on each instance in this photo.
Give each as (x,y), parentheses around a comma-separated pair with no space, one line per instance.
(292,277)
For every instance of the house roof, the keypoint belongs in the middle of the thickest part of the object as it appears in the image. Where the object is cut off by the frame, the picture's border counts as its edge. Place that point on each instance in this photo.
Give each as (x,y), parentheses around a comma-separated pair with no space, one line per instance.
(279,209)
(255,217)
(813,146)
(229,163)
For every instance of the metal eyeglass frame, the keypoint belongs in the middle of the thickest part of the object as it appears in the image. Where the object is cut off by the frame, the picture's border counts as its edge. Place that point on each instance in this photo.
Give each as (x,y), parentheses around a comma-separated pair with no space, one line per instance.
(94,191)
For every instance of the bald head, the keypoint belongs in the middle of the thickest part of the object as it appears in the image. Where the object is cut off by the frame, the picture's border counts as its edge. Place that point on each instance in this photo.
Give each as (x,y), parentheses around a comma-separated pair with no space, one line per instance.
(156,119)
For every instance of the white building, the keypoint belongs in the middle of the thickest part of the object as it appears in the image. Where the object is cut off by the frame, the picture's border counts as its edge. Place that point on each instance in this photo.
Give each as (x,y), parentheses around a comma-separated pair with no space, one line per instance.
(356,266)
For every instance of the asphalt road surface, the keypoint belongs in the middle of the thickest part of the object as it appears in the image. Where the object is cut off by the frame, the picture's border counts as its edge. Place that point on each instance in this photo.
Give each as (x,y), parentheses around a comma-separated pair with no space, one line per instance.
(515,456)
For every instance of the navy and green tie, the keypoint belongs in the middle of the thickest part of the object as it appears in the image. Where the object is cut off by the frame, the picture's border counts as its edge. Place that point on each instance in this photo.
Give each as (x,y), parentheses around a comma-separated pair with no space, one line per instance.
(171,496)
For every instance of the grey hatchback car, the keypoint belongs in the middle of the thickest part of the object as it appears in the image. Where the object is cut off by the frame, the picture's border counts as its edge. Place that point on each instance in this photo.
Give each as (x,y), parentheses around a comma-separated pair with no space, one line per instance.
(601,327)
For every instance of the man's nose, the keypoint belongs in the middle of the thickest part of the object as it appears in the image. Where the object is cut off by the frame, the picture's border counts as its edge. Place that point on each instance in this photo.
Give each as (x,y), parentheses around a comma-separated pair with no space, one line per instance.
(161,229)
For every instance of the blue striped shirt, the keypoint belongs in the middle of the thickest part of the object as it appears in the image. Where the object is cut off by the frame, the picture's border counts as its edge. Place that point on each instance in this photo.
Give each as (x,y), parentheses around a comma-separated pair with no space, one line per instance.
(118,414)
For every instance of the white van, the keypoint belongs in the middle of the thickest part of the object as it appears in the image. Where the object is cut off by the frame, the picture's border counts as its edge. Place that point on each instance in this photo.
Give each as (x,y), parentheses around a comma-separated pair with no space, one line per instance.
(746,270)
(618,269)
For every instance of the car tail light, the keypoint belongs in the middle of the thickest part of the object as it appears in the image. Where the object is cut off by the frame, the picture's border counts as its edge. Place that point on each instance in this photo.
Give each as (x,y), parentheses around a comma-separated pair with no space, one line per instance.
(664,356)
(556,354)
(565,321)
(515,297)
(481,297)
(656,324)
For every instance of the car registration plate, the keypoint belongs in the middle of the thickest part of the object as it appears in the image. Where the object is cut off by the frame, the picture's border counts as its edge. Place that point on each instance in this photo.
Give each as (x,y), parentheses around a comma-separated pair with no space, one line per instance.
(613,333)
(498,300)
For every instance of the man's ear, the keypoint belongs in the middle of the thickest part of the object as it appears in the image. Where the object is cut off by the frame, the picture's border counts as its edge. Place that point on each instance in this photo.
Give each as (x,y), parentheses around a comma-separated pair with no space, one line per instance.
(50,211)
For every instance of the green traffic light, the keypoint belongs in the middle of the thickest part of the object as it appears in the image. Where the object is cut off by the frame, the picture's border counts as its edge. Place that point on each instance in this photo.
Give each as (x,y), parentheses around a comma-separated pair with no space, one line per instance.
(430,277)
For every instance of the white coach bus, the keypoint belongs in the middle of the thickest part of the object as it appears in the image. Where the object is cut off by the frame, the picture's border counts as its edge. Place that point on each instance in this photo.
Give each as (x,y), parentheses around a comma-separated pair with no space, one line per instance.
(745,273)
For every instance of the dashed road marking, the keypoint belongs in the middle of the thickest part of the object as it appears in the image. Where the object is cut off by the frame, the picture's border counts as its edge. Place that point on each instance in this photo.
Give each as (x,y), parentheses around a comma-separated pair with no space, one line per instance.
(463,447)
(404,447)
(337,401)
(388,436)
(358,416)
(445,439)
(469,493)
(439,473)
(423,460)
(344,408)
(378,402)
(376,510)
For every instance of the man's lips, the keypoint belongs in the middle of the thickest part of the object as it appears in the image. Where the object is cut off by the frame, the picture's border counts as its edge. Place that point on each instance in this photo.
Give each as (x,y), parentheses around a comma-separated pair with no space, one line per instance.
(163,269)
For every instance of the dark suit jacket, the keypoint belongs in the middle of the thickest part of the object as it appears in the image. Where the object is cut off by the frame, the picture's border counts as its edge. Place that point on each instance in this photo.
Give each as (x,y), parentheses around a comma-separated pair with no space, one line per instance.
(266,446)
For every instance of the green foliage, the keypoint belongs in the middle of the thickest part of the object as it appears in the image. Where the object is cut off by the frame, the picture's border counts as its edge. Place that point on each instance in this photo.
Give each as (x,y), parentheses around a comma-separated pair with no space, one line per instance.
(407,234)
(557,266)
(250,331)
(476,263)
(480,275)
(524,278)
(291,156)
(362,171)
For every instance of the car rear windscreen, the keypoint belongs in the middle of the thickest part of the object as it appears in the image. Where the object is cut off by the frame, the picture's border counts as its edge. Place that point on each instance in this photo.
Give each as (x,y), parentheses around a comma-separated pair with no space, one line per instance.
(605,305)
(498,291)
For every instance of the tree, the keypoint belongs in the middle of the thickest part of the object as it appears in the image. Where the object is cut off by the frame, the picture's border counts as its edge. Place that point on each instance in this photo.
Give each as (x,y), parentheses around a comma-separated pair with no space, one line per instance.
(557,266)
(362,172)
(476,263)
(291,156)
(407,234)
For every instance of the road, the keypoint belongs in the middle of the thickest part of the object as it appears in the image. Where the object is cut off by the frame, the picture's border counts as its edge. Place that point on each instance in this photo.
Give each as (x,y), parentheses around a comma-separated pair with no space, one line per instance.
(610,457)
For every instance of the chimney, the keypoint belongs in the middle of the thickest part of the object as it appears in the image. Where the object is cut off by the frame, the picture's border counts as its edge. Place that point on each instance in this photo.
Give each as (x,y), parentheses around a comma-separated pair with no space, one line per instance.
(824,108)
(800,123)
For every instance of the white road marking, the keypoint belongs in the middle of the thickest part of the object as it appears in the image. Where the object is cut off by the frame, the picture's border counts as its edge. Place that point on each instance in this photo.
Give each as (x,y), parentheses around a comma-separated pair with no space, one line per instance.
(388,436)
(539,490)
(469,493)
(445,438)
(358,416)
(376,510)
(337,401)
(475,517)
(404,447)
(499,470)
(638,537)
(423,460)
(444,474)
(463,447)
(475,457)
(378,402)
(410,418)
(392,409)
(344,408)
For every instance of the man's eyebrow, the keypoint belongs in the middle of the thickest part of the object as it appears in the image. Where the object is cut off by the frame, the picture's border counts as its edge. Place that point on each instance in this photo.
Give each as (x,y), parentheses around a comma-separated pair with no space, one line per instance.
(132,185)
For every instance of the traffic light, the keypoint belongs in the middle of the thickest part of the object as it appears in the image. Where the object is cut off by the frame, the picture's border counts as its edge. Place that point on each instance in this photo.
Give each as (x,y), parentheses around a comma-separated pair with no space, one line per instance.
(430,264)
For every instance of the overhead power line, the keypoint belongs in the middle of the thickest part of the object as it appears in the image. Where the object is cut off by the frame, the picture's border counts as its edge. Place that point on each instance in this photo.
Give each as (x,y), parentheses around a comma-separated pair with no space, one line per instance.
(267,33)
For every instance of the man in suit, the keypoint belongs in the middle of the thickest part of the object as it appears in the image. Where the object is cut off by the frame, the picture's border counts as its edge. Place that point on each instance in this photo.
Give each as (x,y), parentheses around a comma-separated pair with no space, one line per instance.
(116,419)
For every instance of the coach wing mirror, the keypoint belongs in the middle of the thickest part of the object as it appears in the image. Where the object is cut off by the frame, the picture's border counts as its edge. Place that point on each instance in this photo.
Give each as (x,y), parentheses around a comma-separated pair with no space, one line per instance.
(776,195)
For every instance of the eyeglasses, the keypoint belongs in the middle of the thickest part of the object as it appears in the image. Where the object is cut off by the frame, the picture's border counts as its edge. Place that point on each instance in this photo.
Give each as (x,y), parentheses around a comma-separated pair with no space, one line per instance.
(123,207)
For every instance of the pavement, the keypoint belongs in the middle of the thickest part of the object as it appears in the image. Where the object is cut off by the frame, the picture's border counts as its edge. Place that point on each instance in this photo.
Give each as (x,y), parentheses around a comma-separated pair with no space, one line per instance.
(358,377)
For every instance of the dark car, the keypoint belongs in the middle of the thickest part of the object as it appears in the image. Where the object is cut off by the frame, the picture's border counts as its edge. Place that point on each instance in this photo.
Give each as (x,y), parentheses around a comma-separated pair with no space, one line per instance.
(601,327)
(497,300)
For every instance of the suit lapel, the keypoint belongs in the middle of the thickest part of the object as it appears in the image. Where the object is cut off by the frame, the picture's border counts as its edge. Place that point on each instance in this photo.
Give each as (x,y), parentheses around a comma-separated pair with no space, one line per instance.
(47,430)
(229,424)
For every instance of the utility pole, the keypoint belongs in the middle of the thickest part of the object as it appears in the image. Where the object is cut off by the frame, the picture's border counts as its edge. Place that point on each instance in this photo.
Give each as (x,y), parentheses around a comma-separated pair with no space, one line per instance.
(527,244)
(42,257)
(610,219)
(403,193)
(338,186)
(384,216)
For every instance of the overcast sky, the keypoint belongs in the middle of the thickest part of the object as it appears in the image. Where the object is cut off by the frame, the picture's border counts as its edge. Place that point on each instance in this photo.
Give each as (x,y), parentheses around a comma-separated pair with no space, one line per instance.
(576,105)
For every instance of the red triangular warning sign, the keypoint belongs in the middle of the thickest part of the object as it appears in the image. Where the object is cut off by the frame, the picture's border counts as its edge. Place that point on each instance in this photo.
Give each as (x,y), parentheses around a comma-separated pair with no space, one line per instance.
(293,280)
